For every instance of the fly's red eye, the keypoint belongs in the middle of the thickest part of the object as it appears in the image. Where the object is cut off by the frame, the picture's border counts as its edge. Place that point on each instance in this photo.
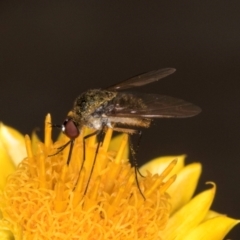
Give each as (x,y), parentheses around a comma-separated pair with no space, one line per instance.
(70,129)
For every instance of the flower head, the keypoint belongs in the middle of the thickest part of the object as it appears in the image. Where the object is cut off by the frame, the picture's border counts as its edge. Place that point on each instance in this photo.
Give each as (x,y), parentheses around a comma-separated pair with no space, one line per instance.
(45,198)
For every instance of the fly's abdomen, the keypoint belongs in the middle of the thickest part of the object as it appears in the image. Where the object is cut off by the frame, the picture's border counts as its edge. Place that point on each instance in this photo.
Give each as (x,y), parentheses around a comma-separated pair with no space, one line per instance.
(133,122)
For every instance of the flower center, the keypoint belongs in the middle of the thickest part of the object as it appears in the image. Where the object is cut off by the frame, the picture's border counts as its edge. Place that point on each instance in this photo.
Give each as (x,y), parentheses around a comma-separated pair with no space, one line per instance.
(47,199)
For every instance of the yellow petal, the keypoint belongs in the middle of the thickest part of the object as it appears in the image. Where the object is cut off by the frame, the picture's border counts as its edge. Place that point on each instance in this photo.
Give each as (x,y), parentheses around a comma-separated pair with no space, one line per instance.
(158,165)
(212,229)
(13,142)
(212,214)
(182,190)
(189,216)
(6,166)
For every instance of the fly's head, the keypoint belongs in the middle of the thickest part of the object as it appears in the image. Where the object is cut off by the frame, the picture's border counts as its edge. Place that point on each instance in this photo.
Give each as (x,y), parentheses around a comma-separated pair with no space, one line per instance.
(70,128)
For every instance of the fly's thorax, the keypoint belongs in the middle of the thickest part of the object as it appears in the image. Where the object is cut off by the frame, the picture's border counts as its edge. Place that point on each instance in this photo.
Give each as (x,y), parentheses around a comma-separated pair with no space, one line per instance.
(92,100)
(93,121)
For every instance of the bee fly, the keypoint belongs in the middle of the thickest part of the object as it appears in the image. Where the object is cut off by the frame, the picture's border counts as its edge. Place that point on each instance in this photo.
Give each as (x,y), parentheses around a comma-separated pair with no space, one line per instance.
(122,111)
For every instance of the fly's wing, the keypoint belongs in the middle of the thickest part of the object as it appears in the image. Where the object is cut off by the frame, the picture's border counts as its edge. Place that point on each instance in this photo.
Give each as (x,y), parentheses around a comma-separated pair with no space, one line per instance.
(142,79)
(140,105)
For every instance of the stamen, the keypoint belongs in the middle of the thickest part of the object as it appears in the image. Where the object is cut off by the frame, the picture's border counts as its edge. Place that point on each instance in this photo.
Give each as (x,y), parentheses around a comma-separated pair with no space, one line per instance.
(121,149)
(60,203)
(42,171)
(64,173)
(91,141)
(90,200)
(129,184)
(153,187)
(77,155)
(115,167)
(30,155)
(167,184)
(48,131)
(77,196)
(111,208)
(28,146)
(107,139)
(168,169)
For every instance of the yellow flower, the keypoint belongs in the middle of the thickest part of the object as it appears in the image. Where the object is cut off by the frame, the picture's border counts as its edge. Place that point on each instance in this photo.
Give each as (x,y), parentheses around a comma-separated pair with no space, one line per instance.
(43,198)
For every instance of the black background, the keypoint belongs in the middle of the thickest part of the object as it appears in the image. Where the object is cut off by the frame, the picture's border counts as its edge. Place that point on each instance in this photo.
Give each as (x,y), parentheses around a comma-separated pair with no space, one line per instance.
(51,51)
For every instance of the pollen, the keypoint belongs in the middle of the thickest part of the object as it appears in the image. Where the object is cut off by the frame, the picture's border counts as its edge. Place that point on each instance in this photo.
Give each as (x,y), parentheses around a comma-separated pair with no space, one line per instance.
(47,199)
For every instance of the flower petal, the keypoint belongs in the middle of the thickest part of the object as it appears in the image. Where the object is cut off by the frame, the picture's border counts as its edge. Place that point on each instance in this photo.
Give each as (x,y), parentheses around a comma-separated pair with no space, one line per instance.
(13,142)
(212,214)
(158,165)
(6,166)
(212,229)
(182,190)
(189,216)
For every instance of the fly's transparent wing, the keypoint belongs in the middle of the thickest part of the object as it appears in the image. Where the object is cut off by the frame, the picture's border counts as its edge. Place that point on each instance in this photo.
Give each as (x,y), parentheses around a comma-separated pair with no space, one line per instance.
(142,79)
(140,105)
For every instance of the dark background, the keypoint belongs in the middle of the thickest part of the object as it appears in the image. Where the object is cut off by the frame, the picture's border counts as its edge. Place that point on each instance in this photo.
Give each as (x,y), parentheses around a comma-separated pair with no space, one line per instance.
(51,51)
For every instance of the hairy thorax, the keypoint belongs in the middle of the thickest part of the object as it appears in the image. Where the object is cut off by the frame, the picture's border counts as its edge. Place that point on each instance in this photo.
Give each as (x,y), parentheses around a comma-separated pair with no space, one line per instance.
(89,107)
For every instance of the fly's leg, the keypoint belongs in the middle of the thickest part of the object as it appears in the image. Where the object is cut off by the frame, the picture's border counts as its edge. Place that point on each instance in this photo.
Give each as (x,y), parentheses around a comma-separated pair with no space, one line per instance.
(84,156)
(60,149)
(70,151)
(101,133)
(134,153)
(135,164)
(84,145)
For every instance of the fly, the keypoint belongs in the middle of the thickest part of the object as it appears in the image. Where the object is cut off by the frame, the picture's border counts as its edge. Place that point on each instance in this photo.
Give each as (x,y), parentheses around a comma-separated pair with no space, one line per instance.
(123,111)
